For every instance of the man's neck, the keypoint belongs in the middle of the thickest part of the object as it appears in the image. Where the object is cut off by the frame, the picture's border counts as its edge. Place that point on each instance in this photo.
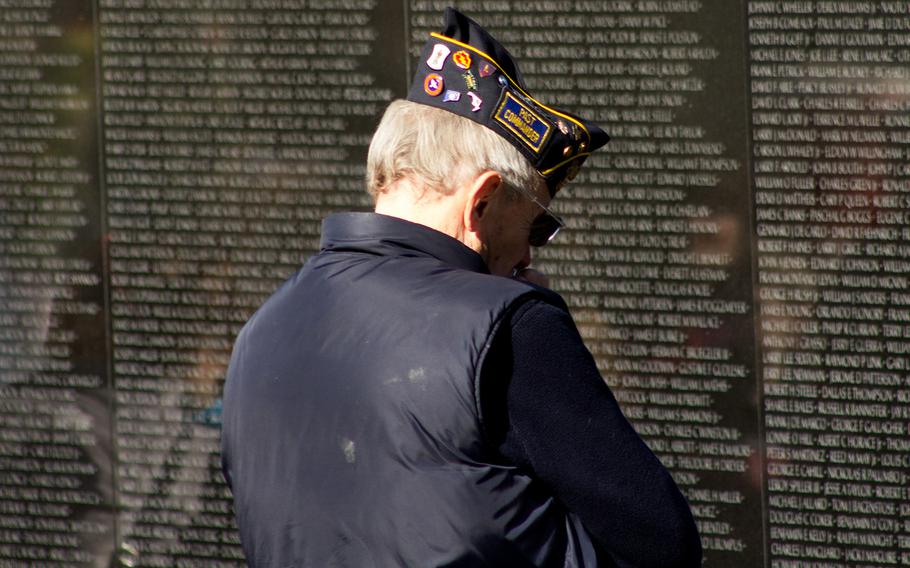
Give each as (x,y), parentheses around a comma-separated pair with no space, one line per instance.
(427,207)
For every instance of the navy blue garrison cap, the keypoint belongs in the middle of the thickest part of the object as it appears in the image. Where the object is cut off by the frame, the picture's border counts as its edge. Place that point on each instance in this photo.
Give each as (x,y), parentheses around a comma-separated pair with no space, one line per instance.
(464,70)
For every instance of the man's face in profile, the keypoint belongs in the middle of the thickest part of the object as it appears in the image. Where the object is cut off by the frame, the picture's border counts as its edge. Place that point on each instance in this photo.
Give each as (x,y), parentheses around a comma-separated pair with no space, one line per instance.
(507,229)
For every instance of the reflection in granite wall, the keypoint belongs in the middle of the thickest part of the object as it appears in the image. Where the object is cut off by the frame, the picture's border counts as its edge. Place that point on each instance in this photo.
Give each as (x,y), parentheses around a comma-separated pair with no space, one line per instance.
(55,446)
(228,134)
(735,258)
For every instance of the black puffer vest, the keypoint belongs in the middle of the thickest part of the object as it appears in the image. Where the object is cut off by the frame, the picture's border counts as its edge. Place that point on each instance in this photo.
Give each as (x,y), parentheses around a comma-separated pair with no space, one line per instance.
(353,433)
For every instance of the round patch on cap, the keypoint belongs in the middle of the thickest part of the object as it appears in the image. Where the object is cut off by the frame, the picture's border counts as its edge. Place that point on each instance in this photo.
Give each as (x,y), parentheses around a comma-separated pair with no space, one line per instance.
(433,84)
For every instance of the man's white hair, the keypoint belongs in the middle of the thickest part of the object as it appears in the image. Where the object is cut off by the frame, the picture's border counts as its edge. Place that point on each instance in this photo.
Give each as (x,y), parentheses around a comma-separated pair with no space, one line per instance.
(439,150)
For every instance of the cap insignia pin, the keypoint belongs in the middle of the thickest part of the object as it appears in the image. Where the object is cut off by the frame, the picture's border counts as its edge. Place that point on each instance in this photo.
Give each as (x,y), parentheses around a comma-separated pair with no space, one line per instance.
(462,59)
(433,84)
(438,58)
(470,81)
(475,101)
(451,96)
(486,69)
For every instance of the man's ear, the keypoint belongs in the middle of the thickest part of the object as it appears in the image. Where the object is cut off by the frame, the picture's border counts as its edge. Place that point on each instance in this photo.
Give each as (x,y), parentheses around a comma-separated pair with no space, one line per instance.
(479,197)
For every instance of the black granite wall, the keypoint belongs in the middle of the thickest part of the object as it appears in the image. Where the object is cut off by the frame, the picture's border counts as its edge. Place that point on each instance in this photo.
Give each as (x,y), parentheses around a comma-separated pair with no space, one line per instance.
(737,258)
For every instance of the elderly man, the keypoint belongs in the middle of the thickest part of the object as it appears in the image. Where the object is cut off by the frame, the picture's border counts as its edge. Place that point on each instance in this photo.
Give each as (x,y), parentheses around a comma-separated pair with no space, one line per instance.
(407,398)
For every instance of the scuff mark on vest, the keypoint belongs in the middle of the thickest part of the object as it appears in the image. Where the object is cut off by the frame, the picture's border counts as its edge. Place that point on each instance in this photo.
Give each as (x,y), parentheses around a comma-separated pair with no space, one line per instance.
(418,377)
(347,446)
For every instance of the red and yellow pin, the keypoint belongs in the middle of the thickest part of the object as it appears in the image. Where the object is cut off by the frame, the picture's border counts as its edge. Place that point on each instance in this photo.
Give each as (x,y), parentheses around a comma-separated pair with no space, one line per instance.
(462,59)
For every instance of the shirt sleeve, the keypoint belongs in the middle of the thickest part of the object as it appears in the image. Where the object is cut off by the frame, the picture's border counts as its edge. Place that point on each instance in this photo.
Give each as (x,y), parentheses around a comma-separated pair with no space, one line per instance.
(556,418)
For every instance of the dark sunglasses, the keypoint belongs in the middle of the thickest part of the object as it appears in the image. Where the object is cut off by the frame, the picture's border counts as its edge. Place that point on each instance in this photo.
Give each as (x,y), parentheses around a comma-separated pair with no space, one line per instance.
(545,226)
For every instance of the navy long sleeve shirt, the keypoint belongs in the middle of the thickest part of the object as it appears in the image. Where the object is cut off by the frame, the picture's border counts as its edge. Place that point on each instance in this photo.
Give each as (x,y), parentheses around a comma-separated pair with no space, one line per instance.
(548,411)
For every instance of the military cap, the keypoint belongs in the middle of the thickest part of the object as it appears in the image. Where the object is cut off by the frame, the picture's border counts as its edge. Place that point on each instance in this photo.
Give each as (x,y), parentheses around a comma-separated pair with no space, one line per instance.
(464,70)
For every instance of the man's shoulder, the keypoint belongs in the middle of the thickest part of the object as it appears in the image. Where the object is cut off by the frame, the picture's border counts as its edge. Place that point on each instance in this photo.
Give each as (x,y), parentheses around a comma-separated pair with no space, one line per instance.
(463,287)
(410,275)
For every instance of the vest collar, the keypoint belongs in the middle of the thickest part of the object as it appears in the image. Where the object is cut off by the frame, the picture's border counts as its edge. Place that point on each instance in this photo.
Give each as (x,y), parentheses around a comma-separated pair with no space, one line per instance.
(383,235)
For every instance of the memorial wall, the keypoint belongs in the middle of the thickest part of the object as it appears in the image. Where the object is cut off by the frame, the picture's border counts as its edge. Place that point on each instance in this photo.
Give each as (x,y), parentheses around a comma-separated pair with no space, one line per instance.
(737,258)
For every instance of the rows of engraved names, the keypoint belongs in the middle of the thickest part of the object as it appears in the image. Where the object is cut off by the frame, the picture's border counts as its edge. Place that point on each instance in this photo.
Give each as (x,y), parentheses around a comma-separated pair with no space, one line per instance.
(830,131)
(670,390)
(229,134)
(49,436)
(637,285)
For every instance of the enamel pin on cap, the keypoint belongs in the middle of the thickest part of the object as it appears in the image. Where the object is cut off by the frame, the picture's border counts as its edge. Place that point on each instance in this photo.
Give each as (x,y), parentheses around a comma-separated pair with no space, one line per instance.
(433,84)
(464,59)
(438,58)
(469,81)
(476,102)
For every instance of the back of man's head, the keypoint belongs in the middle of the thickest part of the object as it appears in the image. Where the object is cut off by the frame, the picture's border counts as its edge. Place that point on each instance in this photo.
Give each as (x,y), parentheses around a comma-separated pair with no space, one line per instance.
(437,150)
